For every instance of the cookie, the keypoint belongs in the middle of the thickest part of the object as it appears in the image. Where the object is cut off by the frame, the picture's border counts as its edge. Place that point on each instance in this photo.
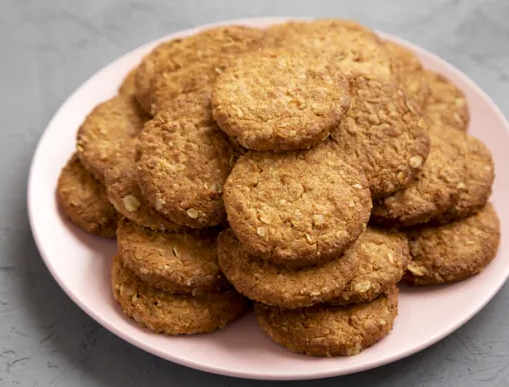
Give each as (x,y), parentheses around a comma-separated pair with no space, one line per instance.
(124,193)
(273,284)
(435,189)
(413,79)
(102,136)
(198,61)
(355,49)
(173,314)
(183,160)
(454,251)
(175,262)
(476,190)
(385,137)
(279,100)
(446,104)
(383,257)
(298,209)
(83,200)
(322,330)
(128,86)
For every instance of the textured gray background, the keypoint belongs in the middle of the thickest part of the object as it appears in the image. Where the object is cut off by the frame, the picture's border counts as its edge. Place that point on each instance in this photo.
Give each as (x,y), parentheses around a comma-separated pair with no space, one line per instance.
(48,48)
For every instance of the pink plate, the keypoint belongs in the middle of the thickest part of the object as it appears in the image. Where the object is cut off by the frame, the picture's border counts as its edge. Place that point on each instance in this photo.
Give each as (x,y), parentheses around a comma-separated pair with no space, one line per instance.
(81,263)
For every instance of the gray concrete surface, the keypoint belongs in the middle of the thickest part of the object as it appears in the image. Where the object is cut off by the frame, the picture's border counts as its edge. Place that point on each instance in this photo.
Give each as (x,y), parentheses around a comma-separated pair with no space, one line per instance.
(48,48)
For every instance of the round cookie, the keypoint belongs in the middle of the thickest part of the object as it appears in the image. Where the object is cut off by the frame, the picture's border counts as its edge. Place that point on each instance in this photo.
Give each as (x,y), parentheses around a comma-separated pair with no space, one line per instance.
(183,160)
(124,193)
(383,257)
(173,314)
(298,209)
(273,284)
(476,190)
(199,60)
(355,49)
(175,262)
(83,200)
(436,188)
(102,136)
(383,135)
(454,251)
(446,104)
(279,100)
(413,79)
(323,330)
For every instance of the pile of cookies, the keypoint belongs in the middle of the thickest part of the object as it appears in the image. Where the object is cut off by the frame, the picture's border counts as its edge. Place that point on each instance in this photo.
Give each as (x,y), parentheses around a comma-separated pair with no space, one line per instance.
(309,167)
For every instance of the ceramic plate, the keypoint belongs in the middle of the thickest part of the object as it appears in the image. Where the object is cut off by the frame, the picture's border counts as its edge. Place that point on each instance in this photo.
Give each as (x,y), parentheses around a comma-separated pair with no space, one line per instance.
(80,262)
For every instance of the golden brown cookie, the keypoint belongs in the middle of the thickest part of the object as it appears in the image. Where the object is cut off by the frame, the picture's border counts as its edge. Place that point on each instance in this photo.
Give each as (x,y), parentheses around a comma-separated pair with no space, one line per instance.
(196,62)
(125,194)
(383,135)
(454,251)
(413,79)
(298,209)
(446,104)
(436,188)
(173,314)
(102,136)
(175,262)
(322,330)
(476,190)
(355,49)
(83,200)
(279,100)
(274,284)
(383,257)
(183,160)
(128,85)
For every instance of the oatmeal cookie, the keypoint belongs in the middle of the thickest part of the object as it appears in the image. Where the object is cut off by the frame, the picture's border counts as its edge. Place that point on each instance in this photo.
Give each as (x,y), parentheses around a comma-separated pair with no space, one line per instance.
(436,188)
(476,190)
(273,284)
(103,134)
(173,314)
(454,251)
(175,262)
(83,200)
(183,160)
(385,137)
(279,100)
(323,330)
(447,104)
(298,209)
(384,257)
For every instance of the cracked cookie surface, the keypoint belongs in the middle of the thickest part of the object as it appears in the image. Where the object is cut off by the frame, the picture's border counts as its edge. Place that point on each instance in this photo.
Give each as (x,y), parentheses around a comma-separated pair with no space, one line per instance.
(279,100)
(274,284)
(175,262)
(383,135)
(299,208)
(173,314)
(454,251)
(84,201)
(323,330)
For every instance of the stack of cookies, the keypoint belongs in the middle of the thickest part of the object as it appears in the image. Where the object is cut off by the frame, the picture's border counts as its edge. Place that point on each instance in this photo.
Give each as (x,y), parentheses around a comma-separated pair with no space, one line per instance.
(309,167)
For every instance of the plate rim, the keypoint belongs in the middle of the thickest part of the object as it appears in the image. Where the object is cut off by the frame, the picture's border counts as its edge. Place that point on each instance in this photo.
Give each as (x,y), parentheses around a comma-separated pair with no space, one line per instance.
(31,199)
